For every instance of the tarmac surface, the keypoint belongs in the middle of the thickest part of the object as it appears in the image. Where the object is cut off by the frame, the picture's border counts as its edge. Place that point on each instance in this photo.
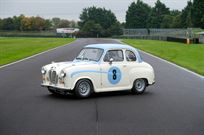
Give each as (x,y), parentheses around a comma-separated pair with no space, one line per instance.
(173,106)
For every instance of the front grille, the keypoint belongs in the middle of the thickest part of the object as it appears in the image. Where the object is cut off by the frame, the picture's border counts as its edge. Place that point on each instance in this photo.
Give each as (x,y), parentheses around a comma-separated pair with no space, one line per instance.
(53,77)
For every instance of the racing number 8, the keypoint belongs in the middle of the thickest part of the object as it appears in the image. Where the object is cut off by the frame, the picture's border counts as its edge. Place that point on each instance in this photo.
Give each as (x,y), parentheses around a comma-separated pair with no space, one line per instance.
(114,74)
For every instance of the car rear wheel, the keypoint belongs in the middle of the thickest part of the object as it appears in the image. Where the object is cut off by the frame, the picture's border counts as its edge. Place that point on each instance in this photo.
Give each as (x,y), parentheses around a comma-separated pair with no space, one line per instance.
(83,88)
(139,86)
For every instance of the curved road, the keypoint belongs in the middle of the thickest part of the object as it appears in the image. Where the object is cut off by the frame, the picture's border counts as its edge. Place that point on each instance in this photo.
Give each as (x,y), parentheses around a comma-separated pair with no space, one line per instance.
(173,106)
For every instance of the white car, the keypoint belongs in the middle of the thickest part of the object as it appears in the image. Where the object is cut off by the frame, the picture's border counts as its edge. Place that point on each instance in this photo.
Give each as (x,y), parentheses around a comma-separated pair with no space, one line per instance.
(99,68)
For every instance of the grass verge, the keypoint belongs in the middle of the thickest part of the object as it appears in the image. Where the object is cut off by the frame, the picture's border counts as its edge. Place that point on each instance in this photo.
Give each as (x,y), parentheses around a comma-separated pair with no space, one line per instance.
(13,49)
(188,56)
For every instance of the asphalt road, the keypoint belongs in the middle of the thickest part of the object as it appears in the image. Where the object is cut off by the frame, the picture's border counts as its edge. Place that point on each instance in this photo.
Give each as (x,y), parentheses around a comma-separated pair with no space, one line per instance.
(173,106)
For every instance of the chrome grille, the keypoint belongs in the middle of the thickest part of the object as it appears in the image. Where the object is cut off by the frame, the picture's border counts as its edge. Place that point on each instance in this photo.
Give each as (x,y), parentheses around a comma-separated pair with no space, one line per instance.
(53,77)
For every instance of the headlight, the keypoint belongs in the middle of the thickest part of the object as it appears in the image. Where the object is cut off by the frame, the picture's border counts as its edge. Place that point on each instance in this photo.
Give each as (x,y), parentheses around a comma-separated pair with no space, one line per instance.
(43,71)
(62,74)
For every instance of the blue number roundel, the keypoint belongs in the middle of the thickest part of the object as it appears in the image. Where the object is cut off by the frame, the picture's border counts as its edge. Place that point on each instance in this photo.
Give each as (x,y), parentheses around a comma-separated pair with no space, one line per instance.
(114,75)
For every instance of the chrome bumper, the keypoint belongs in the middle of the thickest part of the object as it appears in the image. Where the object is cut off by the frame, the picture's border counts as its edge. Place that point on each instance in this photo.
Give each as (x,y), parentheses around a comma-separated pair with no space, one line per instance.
(54,86)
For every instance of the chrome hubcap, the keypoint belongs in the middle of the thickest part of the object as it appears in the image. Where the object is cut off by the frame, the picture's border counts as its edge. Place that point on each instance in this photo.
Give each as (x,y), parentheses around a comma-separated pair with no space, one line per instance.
(84,88)
(140,85)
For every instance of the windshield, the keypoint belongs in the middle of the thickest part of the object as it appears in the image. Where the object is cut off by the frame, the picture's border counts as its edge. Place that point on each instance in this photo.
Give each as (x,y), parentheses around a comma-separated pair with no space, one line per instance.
(92,54)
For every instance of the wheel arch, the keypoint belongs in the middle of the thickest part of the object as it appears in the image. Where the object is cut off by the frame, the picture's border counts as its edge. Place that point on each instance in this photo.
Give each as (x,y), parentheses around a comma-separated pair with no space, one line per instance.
(146,80)
(83,78)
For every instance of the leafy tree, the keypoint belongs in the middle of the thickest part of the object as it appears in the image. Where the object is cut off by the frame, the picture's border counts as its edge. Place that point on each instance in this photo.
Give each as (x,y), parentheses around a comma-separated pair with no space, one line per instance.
(157,14)
(99,15)
(7,24)
(137,15)
(1,23)
(175,13)
(176,22)
(167,21)
(26,23)
(102,18)
(48,25)
(91,29)
(186,16)
(115,29)
(17,22)
(37,23)
(63,24)
(55,22)
(198,13)
(73,24)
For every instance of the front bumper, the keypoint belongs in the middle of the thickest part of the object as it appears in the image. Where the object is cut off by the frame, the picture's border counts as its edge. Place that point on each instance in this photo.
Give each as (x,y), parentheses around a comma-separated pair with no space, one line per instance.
(57,89)
(54,86)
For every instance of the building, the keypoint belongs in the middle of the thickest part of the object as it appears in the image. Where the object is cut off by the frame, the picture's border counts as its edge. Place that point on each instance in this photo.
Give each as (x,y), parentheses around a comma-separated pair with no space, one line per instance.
(67,32)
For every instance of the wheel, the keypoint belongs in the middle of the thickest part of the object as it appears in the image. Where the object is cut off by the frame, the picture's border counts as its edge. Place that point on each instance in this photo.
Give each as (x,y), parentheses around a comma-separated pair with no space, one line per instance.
(83,88)
(139,86)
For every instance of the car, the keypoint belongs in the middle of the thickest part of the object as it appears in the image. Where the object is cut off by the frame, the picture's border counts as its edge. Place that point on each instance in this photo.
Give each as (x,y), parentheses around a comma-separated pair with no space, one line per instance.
(99,68)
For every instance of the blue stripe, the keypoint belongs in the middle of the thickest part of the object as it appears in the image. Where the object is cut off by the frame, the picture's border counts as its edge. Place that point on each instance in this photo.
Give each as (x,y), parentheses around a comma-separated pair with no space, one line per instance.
(87,71)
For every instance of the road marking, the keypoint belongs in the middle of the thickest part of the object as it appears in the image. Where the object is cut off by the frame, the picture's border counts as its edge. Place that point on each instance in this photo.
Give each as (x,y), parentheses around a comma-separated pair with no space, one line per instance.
(34,55)
(175,65)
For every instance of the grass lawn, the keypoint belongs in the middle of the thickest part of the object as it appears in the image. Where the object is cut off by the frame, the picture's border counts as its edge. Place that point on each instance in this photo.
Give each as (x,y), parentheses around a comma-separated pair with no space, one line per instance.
(188,56)
(13,49)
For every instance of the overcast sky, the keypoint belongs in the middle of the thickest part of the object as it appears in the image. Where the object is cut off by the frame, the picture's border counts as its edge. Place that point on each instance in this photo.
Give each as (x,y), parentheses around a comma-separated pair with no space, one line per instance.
(70,9)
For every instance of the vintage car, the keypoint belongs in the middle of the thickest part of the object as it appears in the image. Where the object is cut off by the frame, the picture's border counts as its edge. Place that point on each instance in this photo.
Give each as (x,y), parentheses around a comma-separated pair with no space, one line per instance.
(99,68)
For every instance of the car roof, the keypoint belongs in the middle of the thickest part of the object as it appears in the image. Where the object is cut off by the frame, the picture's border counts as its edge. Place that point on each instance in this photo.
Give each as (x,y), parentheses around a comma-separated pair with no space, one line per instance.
(110,46)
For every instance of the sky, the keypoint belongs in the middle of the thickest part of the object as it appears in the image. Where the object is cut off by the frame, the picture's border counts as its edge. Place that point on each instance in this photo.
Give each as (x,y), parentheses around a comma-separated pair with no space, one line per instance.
(71,9)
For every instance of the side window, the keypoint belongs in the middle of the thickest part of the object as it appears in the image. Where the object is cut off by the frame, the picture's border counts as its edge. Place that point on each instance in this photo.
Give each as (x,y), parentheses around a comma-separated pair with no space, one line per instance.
(130,56)
(117,55)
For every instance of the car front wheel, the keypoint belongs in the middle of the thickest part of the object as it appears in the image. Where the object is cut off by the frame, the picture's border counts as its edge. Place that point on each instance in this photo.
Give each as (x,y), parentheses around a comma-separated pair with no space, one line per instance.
(83,88)
(139,86)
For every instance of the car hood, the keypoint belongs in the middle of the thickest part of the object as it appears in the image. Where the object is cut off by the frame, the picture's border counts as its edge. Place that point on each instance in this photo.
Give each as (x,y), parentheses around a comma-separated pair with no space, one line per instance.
(59,66)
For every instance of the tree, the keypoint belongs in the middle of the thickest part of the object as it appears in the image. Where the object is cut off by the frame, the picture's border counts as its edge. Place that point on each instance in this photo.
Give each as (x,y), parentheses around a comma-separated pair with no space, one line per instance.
(171,20)
(55,22)
(198,13)
(48,24)
(1,23)
(176,22)
(157,14)
(137,15)
(115,29)
(26,23)
(93,17)
(186,16)
(17,22)
(91,29)
(63,24)
(73,24)
(37,23)
(7,24)
(167,21)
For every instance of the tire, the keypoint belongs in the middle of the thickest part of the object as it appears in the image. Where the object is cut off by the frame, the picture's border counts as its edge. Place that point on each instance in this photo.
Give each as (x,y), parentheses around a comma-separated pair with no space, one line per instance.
(83,88)
(139,86)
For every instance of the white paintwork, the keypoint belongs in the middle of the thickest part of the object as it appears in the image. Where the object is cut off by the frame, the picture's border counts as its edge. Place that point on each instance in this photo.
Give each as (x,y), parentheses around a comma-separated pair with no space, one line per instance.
(67,30)
(98,72)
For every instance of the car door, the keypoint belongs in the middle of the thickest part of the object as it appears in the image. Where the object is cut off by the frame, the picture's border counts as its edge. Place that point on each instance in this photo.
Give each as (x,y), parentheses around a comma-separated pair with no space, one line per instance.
(114,71)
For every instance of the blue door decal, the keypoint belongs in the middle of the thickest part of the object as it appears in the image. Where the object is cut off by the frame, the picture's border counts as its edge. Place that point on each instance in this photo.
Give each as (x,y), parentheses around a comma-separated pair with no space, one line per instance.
(114,75)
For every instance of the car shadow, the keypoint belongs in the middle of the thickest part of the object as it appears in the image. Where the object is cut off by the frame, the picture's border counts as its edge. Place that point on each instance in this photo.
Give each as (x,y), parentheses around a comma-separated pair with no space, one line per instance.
(101,95)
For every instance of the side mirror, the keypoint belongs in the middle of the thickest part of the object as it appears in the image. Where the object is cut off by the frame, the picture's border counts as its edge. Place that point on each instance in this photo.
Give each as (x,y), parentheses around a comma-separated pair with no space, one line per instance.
(111,60)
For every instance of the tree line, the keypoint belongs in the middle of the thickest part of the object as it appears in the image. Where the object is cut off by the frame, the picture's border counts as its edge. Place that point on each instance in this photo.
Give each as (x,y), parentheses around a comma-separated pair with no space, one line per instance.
(141,15)
(100,22)
(24,23)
